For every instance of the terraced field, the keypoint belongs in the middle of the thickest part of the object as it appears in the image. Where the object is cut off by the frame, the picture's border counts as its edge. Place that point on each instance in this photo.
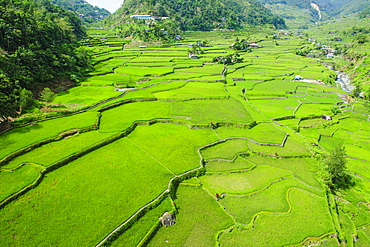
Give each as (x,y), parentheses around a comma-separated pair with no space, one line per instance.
(233,151)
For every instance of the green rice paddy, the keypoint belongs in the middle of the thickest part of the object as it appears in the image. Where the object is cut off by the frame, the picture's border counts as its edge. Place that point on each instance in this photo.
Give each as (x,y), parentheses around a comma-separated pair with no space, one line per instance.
(235,156)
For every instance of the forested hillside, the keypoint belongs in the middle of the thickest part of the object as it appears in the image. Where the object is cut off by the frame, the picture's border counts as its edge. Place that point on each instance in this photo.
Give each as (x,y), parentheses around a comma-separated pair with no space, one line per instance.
(87,12)
(350,7)
(365,13)
(298,3)
(199,15)
(298,13)
(38,48)
(332,7)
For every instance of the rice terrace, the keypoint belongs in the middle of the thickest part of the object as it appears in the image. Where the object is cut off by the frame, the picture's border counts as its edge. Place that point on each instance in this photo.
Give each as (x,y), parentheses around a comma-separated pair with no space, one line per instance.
(233,152)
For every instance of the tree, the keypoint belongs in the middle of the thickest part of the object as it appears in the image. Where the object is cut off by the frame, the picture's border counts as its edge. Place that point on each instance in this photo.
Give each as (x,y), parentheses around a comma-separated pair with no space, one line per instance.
(367,105)
(357,90)
(26,100)
(47,95)
(203,15)
(39,43)
(365,13)
(195,49)
(334,168)
(362,39)
(9,95)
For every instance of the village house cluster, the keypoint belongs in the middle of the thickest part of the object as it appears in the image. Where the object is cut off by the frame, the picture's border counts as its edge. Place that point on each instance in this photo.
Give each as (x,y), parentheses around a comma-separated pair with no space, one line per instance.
(148,17)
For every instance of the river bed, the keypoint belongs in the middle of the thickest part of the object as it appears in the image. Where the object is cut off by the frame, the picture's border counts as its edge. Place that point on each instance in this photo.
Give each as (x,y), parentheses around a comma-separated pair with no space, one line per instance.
(344,81)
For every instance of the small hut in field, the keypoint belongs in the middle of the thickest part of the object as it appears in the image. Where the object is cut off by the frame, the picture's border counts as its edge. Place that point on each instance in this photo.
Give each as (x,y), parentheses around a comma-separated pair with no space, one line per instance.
(168,219)
(326,117)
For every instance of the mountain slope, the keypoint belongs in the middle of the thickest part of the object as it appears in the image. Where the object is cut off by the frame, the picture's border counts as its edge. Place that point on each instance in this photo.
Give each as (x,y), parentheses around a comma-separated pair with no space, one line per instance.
(298,13)
(38,48)
(199,15)
(333,7)
(87,12)
(353,6)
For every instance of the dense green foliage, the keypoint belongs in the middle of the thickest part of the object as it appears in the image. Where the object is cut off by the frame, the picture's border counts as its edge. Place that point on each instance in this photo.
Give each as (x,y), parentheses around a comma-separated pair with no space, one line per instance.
(298,3)
(9,93)
(300,13)
(87,12)
(365,13)
(47,95)
(164,30)
(26,100)
(199,15)
(38,47)
(349,7)
(335,168)
(331,7)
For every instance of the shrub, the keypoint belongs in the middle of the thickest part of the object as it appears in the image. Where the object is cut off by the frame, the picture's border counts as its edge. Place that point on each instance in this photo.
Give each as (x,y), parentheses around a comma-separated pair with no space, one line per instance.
(47,95)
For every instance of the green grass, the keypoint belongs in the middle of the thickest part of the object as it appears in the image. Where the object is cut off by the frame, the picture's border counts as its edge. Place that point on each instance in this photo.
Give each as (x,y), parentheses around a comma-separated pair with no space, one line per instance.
(257,115)
(309,217)
(13,181)
(175,146)
(293,146)
(306,110)
(278,86)
(353,205)
(348,227)
(290,123)
(181,76)
(89,197)
(102,184)
(223,166)
(110,65)
(359,167)
(258,76)
(198,222)
(276,108)
(206,111)
(311,133)
(225,150)
(244,183)
(329,130)
(21,137)
(111,79)
(314,99)
(121,117)
(194,90)
(156,64)
(156,59)
(147,91)
(359,151)
(304,169)
(133,235)
(211,78)
(86,95)
(143,71)
(211,69)
(263,133)
(364,237)
(273,199)
(277,70)
(317,122)
(329,143)
(54,151)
